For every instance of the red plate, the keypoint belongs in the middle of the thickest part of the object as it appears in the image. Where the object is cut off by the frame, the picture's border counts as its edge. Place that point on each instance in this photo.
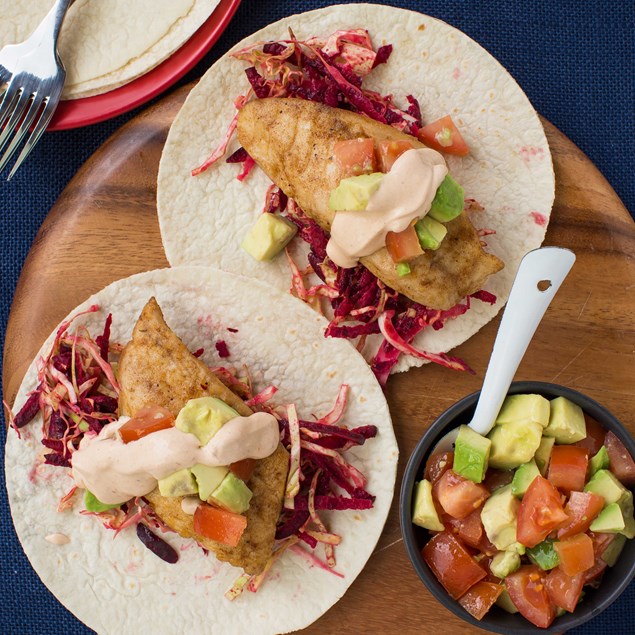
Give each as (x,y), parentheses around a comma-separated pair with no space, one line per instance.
(83,112)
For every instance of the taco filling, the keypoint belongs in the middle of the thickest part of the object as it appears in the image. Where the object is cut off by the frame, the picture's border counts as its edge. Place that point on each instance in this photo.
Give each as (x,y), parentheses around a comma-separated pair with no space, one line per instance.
(366,185)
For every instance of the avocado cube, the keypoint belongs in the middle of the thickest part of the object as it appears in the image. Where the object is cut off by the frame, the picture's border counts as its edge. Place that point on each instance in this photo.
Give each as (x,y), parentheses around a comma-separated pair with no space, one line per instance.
(268,236)
(208,478)
(471,454)
(609,520)
(93,504)
(504,563)
(403,269)
(606,485)
(534,408)
(499,515)
(543,454)
(544,555)
(505,602)
(430,232)
(566,421)
(613,551)
(424,512)
(626,505)
(204,417)
(180,483)
(353,193)
(523,477)
(232,494)
(514,443)
(600,461)
(448,201)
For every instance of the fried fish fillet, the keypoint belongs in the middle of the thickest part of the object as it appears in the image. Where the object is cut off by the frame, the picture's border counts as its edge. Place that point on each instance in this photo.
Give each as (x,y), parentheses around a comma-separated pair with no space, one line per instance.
(157,368)
(292,140)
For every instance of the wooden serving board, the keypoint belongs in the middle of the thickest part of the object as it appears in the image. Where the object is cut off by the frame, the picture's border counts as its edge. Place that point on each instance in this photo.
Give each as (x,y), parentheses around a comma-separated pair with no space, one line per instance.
(104,227)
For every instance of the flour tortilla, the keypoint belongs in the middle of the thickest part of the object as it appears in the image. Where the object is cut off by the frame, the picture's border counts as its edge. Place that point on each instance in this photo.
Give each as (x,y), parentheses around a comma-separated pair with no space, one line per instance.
(107,43)
(117,585)
(509,170)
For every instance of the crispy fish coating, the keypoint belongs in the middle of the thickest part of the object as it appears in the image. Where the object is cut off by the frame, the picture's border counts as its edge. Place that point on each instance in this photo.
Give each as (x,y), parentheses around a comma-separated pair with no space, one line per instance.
(157,368)
(292,140)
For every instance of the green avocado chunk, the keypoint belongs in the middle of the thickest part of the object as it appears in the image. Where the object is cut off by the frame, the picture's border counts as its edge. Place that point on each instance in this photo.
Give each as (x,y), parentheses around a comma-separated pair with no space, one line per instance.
(613,551)
(268,236)
(600,461)
(232,494)
(353,193)
(626,505)
(523,477)
(448,201)
(609,520)
(604,483)
(471,454)
(93,504)
(566,421)
(543,454)
(424,512)
(505,602)
(208,478)
(403,269)
(430,232)
(544,555)
(179,483)
(514,443)
(534,408)
(204,417)
(504,563)
(499,517)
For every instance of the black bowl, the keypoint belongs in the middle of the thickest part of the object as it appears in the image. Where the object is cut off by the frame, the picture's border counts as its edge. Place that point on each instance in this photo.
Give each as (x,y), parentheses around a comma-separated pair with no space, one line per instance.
(615,579)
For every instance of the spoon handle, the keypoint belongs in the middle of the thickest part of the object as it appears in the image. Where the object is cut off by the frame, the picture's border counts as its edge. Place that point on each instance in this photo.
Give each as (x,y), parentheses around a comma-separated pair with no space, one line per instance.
(539,276)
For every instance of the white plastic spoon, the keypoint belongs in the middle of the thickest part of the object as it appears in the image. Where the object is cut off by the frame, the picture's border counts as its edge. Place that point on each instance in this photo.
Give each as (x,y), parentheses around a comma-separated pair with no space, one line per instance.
(539,276)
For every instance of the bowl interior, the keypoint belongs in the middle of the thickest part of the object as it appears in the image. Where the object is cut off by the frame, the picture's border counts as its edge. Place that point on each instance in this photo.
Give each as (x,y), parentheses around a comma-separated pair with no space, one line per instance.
(615,578)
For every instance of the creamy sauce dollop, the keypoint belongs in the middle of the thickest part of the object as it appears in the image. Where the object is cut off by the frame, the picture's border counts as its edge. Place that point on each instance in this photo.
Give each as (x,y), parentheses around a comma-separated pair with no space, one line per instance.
(405,194)
(115,471)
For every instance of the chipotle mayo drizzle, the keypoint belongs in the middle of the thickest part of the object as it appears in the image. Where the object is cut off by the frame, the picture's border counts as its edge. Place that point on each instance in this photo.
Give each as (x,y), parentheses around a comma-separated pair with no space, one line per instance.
(404,195)
(115,471)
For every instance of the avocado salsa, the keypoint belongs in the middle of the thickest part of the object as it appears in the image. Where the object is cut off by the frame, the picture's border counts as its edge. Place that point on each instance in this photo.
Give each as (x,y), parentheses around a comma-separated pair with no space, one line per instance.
(528,516)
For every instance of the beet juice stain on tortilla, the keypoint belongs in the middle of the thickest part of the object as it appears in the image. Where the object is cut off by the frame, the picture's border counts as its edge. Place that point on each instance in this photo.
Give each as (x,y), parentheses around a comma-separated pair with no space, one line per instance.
(447,73)
(127,579)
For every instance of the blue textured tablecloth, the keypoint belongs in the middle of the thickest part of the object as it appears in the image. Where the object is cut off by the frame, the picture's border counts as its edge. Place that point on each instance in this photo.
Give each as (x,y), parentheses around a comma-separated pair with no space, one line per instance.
(575,59)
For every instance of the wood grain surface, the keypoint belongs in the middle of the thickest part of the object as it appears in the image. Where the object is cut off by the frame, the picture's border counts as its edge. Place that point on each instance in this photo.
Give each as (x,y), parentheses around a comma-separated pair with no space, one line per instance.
(104,227)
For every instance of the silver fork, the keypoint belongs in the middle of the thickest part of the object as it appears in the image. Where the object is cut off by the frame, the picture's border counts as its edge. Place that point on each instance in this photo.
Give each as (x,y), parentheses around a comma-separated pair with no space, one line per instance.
(33,76)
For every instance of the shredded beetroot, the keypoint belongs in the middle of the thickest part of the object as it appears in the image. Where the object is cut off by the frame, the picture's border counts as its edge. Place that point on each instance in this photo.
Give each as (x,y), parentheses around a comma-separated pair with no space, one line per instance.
(221,347)
(156,545)
(28,411)
(339,503)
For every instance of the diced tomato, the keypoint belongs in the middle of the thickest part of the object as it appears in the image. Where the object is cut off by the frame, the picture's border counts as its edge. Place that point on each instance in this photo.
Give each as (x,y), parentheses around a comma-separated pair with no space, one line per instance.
(147,420)
(403,246)
(219,525)
(458,496)
(450,562)
(444,136)
(595,434)
(437,464)
(621,461)
(600,542)
(575,554)
(480,598)
(497,478)
(355,157)
(582,508)
(526,588)
(564,590)
(390,151)
(243,469)
(539,513)
(470,530)
(593,575)
(567,467)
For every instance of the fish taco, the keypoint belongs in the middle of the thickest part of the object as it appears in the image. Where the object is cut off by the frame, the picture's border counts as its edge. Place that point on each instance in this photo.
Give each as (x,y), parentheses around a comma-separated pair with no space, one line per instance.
(400,167)
(169,446)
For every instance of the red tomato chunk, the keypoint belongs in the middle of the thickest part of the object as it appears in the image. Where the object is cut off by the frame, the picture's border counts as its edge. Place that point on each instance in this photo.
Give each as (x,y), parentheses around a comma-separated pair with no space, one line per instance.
(540,512)
(452,565)
(582,508)
(444,136)
(564,590)
(390,151)
(567,467)
(480,598)
(438,464)
(595,434)
(403,246)
(527,590)
(575,554)
(621,461)
(458,496)
(148,420)
(355,157)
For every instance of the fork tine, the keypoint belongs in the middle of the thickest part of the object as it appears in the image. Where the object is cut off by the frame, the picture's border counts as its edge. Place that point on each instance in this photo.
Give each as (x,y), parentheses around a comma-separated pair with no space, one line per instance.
(16,116)
(47,114)
(8,101)
(22,131)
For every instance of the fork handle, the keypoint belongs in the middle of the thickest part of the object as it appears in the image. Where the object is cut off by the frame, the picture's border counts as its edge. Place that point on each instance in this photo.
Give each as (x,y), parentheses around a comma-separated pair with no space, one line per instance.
(52,23)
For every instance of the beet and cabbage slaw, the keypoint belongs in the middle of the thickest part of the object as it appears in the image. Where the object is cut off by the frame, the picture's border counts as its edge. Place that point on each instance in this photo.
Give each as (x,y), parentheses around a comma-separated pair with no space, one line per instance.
(331,71)
(77,394)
